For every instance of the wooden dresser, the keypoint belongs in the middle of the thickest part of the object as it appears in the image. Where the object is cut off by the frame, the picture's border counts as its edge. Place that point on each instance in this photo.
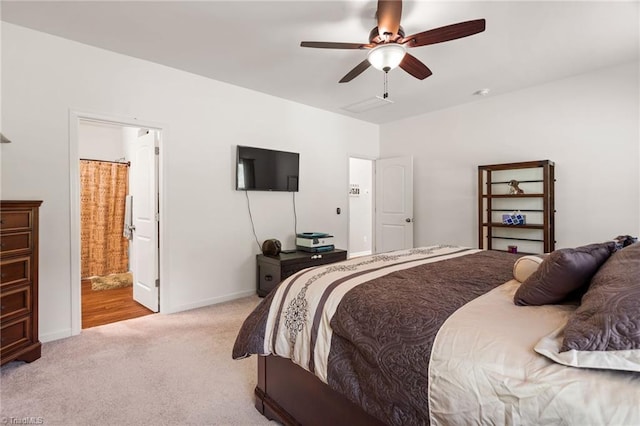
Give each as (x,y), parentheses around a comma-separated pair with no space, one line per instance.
(273,269)
(19,281)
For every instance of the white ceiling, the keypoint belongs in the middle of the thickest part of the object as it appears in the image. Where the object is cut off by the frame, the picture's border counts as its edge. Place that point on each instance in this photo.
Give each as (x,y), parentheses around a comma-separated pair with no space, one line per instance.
(256,44)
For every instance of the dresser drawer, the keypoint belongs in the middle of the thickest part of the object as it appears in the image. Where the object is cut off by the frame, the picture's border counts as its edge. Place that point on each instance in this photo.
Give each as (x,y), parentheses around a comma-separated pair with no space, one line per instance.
(17,220)
(15,334)
(268,277)
(15,302)
(15,243)
(273,269)
(288,270)
(313,259)
(15,271)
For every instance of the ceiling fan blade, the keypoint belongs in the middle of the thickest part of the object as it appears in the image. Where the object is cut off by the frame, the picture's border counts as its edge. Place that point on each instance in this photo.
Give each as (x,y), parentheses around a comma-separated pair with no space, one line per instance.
(389,14)
(356,71)
(332,45)
(447,33)
(413,66)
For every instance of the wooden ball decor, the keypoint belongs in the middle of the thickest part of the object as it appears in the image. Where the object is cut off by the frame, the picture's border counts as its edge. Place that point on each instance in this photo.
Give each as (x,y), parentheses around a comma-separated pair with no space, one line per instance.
(271,247)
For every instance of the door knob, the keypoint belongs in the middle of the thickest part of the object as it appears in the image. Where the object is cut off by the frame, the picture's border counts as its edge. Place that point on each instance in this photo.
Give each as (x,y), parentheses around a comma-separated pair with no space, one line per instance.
(408,220)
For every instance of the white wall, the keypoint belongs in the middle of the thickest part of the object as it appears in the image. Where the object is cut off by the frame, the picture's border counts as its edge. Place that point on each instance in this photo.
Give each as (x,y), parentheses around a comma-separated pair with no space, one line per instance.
(587,124)
(210,250)
(361,207)
(100,141)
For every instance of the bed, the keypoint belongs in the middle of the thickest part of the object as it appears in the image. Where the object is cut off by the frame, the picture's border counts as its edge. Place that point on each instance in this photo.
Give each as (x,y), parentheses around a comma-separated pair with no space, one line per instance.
(427,336)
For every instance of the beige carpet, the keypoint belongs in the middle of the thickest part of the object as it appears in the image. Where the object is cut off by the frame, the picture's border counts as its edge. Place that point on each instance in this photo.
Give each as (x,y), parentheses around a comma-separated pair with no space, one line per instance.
(111,281)
(155,370)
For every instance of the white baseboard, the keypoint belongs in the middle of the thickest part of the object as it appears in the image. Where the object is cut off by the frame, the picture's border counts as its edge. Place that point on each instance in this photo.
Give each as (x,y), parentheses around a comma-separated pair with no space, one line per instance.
(212,301)
(57,335)
(359,254)
(63,334)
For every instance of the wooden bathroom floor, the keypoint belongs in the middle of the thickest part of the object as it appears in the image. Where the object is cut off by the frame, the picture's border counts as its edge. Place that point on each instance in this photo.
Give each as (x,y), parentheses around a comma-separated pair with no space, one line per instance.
(101,307)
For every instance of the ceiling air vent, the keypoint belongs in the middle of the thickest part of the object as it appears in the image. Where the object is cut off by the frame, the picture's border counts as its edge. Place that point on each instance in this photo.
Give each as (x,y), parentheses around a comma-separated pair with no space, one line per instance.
(368,104)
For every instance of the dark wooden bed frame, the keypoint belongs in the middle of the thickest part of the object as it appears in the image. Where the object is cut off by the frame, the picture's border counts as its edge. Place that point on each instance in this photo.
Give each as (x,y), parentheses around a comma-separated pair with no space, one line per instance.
(291,395)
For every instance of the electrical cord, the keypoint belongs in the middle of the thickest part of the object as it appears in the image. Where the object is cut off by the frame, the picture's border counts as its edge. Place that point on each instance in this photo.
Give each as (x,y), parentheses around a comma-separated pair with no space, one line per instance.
(253,227)
(295,216)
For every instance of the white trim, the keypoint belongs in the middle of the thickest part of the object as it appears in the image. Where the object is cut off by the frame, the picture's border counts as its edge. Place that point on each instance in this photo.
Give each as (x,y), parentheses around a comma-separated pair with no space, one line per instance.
(211,301)
(373,201)
(74,223)
(360,254)
(56,335)
(74,181)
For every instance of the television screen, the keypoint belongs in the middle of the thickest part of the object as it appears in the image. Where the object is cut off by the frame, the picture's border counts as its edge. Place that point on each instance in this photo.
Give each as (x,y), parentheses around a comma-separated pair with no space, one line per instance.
(260,169)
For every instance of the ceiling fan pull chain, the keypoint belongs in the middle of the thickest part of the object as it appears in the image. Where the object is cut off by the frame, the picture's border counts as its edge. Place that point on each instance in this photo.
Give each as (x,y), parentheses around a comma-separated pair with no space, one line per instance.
(386,85)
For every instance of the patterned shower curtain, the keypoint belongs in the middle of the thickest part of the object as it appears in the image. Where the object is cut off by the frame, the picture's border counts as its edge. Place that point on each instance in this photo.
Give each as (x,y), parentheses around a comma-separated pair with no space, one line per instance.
(104,186)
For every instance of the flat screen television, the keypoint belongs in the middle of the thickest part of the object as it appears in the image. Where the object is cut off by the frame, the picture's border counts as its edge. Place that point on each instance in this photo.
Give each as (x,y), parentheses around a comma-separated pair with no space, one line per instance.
(259,169)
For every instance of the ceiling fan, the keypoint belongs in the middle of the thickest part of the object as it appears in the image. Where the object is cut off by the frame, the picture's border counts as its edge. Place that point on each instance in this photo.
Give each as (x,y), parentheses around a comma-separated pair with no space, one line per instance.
(388,44)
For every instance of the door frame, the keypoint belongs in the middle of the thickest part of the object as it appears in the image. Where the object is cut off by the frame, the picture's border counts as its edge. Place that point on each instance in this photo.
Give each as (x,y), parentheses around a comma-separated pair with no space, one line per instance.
(74,181)
(373,200)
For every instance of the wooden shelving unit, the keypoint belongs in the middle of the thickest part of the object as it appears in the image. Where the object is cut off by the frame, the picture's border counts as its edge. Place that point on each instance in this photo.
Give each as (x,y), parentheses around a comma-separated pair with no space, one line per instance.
(537,203)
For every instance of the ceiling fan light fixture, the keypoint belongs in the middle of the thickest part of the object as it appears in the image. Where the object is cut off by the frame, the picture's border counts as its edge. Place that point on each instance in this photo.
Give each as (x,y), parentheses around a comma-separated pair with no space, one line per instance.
(386,57)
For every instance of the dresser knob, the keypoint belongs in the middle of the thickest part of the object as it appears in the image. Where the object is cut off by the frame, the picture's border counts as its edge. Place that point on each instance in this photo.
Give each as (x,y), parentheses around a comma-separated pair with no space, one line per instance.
(268,278)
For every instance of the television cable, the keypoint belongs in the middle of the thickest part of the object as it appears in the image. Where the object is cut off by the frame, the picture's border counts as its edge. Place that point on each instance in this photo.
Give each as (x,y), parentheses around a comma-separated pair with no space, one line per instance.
(253,227)
(295,216)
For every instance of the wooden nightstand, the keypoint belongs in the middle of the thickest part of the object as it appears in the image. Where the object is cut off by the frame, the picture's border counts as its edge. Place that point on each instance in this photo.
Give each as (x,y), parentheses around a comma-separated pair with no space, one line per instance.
(273,269)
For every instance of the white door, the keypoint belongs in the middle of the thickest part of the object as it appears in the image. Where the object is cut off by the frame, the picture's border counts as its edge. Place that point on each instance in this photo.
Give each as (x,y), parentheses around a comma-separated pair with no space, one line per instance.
(144,250)
(394,204)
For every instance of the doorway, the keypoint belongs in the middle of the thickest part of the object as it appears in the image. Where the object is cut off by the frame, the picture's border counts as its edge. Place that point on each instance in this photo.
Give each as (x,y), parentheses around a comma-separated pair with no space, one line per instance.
(113,160)
(361,185)
(380,205)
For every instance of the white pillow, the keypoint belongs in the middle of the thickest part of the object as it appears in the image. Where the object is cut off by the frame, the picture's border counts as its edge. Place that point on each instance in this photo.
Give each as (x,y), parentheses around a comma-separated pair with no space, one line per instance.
(624,360)
(525,266)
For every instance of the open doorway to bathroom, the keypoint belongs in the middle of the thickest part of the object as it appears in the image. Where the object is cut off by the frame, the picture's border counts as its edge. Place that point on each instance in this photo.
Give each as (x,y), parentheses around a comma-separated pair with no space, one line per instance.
(106,222)
(361,212)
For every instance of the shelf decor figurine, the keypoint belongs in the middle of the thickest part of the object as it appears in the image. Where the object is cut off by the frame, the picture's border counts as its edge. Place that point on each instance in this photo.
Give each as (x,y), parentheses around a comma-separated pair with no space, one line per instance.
(514,189)
(515,218)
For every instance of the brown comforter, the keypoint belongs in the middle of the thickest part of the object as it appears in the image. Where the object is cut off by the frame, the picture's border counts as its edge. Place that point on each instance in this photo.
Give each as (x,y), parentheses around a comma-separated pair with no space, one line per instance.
(383,331)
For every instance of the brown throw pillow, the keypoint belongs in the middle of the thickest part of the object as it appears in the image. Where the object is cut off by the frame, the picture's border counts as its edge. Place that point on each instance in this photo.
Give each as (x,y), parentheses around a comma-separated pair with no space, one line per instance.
(609,317)
(561,273)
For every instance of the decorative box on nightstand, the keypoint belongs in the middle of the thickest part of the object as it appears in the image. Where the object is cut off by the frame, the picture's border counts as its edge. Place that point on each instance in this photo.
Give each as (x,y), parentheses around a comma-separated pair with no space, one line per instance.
(273,269)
